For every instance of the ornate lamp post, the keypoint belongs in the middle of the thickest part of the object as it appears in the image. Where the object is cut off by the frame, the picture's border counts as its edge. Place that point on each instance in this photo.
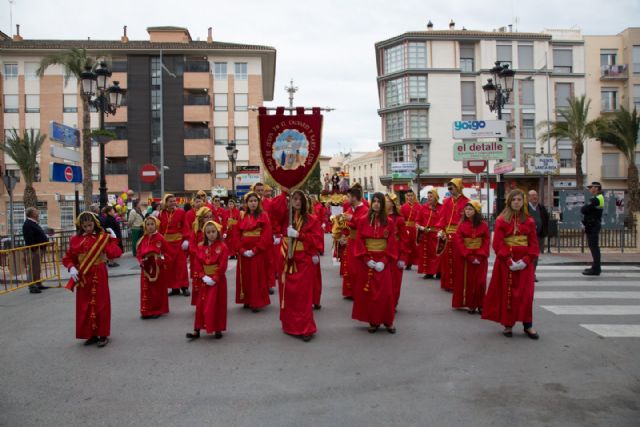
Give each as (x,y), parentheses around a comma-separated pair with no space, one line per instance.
(418,153)
(232,154)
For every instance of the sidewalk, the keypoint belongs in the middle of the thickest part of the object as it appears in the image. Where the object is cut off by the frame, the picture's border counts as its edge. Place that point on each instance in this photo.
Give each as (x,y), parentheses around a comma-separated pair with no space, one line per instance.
(128,266)
(578,258)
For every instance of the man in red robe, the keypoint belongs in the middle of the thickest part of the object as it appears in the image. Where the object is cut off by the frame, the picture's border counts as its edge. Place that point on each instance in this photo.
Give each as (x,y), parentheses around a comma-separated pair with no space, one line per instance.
(452,210)
(429,264)
(354,211)
(176,231)
(412,213)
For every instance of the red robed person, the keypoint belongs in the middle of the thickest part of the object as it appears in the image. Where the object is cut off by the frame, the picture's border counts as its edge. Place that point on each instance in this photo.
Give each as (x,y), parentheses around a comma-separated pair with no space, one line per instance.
(412,213)
(448,224)
(176,231)
(428,236)
(153,256)
(355,210)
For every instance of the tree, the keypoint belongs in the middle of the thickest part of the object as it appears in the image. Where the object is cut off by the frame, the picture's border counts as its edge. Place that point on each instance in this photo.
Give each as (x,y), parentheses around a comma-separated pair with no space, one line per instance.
(313,184)
(74,62)
(24,151)
(574,126)
(622,132)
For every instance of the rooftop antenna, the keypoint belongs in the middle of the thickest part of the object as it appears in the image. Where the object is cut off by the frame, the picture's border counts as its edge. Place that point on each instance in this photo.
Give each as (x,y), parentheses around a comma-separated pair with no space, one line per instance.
(291,90)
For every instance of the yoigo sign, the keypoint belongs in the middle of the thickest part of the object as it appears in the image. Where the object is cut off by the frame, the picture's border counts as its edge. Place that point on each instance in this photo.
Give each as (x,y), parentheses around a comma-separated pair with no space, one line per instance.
(468,129)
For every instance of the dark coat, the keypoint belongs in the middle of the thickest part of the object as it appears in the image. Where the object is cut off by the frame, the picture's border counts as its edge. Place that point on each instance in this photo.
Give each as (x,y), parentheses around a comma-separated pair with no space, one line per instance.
(544,217)
(33,234)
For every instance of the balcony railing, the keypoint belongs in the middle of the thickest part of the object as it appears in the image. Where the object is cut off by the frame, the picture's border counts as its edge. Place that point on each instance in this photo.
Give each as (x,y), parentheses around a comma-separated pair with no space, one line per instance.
(614,72)
(197,67)
(197,100)
(196,133)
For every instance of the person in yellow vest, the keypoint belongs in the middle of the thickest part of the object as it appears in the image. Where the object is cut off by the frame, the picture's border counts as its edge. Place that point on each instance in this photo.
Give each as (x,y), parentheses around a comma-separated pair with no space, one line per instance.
(592,217)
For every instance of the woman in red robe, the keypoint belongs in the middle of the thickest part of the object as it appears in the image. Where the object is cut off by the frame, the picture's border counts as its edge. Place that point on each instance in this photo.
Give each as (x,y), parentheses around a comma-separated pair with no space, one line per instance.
(176,231)
(153,256)
(448,224)
(203,215)
(471,243)
(402,241)
(375,252)
(510,295)
(255,238)
(232,223)
(212,257)
(297,288)
(429,264)
(85,260)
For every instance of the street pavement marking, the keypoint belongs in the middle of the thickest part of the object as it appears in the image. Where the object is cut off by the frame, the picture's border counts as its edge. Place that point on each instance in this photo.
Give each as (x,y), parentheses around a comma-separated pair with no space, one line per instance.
(630,268)
(594,310)
(605,273)
(615,331)
(589,283)
(587,294)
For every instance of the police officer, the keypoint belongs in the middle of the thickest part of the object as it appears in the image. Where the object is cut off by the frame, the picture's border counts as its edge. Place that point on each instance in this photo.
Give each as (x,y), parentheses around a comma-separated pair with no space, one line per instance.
(592,216)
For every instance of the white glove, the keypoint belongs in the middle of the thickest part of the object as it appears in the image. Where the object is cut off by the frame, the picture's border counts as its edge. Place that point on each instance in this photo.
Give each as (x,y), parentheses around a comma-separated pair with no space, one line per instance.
(292,232)
(476,261)
(517,266)
(185,245)
(522,264)
(248,253)
(322,225)
(224,236)
(276,240)
(111,233)
(371,264)
(441,234)
(420,227)
(208,281)
(401,264)
(379,266)
(73,272)
(315,259)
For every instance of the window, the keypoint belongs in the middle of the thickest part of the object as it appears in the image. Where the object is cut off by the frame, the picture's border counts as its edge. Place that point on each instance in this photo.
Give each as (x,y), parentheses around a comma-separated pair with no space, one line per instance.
(527,92)
(10,71)
(11,103)
(197,164)
(395,126)
(525,56)
(241,102)
(32,103)
(119,64)
(610,165)
(562,60)
(67,217)
(222,169)
(221,135)
(242,135)
(566,157)
(609,99)
(220,102)
(527,151)
(394,92)
(120,129)
(563,94)
(70,104)
(393,59)
(636,59)
(419,124)
(528,126)
(608,57)
(241,70)
(418,89)
(468,91)
(116,166)
(30,70)
(417,55)
(396,153)
(504,54)
(636,96)
(220,71)
(467,58)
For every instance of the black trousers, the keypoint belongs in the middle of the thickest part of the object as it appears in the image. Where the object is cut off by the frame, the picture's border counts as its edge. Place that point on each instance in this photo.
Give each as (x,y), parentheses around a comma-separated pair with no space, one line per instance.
(593,239)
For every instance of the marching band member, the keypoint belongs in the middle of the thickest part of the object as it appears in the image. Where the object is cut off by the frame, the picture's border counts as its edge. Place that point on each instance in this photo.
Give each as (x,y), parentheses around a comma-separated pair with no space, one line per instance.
(355,210)
(340,233)
(203,215)
(428,237)
(232,223)
(375,253)
(212,257)
(448,224)
(297,290)
(153,257)
(402,241)
(85,259)
(255,239)
(412,213)
(510,295)
(176,231)
(471,247)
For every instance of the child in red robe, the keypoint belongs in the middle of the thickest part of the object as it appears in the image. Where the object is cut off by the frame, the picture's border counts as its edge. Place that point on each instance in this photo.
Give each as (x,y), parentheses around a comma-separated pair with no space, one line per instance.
(153,256)
(203,215)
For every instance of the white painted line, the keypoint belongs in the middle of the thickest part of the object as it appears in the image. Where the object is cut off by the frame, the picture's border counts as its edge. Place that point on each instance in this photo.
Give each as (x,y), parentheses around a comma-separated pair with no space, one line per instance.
(615,331)
(577,274)
(631,268)
(594,310)
(589,284)
(587,294)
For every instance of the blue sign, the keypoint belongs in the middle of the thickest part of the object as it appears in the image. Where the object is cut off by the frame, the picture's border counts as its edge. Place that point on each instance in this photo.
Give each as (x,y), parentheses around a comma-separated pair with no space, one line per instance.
(67,135)
(241,190)
(60,172)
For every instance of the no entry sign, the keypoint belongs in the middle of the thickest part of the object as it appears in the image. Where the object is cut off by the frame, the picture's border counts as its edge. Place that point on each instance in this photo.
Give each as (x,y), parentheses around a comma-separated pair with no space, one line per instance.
(149,173)
(477,166)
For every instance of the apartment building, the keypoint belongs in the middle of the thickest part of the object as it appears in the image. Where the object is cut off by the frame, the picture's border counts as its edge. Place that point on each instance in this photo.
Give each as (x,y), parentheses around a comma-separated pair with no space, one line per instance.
(365,170)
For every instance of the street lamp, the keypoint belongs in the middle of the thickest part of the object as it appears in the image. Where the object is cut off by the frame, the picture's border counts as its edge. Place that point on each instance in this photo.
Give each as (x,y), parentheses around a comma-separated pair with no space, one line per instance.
(232,154)
(418,153)
(497,91)
(94,85)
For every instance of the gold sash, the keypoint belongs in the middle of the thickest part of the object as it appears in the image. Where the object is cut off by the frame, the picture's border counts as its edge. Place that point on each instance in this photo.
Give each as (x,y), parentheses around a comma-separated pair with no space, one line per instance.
(232,221)
(431,230)
(210,270)
(252,233)
(472,242)
(516,240)
(96,261)
(352,234)
(451,229)
(150,267)
(173,237)
(410,223)
(375,245)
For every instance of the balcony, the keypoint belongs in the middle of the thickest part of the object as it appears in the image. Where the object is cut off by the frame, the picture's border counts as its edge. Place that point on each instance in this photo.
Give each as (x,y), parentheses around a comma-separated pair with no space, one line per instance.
(197,67)
(193,99)
(614,72)
(196,133)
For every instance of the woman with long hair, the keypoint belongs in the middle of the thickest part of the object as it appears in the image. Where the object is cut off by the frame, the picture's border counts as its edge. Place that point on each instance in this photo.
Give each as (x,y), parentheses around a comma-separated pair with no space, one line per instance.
(154,259)
(510,295)
(471,243)
(429,265)
(203,215)
(376,253)
(402,237)
(230,232)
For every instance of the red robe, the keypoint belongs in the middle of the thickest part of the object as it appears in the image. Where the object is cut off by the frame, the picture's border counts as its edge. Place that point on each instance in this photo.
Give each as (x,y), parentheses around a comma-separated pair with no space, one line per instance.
(279,217)
(297,288)
(317,277)
(196,284)
(190,218)
(93,303)
(232,223)
(412,214)
(175,229)
(470,280)
(348,267)
(401,236)
(320,211)
(450,217)
(252,285)
(428,240)
(211,305)
(154,299)
(220,215)
(509,298)
(373,299)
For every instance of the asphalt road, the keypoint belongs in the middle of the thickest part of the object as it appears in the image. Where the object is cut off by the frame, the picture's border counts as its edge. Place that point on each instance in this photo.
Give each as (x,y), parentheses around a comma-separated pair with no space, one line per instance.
(442,368)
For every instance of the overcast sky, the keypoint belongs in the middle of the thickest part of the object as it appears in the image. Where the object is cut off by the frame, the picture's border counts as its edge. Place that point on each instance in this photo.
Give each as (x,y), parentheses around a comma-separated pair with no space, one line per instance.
(326,46)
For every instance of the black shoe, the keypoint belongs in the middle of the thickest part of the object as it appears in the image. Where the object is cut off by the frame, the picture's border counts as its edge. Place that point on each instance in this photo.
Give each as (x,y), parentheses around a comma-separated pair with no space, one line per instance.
(34,291)
(408,267)
(218,335)
(193,335)
(271,291)
(508,333)
(317,306)
(590,272)
(532,335)
(438,276)
(103,341)
(185,292)
(307,338)
(115,264)
(42,287)
(390,329)
(373,329)
(174,292)
(245,306)
(255,310)
(91,341)
(535,279)
(427,276)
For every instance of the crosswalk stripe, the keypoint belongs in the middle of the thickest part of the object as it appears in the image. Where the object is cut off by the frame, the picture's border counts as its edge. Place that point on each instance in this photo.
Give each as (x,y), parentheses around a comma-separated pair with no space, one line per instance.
(615,331)
(594,310)
(587,295)
(631,268)
(578,275)
(588,283)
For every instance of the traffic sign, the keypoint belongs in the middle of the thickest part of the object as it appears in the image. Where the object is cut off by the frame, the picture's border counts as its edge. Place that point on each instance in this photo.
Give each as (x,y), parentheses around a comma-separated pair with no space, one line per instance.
(496,150)
(477,166)
(60,172)
(67,135)
(149,173)
(503,167)
(65,154)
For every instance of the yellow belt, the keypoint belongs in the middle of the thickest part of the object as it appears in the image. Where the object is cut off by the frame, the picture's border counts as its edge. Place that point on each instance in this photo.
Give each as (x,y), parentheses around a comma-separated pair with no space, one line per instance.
(102,258)
(472,242)
(516,240)
(352,234)
(451,229)
(232,221)
(210,270)
(252,233)
(410,223)
(430,229)
(173,237)
(375,245)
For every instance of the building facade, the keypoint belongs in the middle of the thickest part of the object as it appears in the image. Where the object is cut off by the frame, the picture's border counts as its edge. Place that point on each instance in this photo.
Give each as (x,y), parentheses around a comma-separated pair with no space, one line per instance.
(365,170)
(203,89)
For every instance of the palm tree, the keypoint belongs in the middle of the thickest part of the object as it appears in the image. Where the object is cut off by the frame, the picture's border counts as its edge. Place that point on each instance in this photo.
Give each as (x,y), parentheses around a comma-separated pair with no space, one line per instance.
(24,151)
(74,62)
(622,132)
(574,126)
